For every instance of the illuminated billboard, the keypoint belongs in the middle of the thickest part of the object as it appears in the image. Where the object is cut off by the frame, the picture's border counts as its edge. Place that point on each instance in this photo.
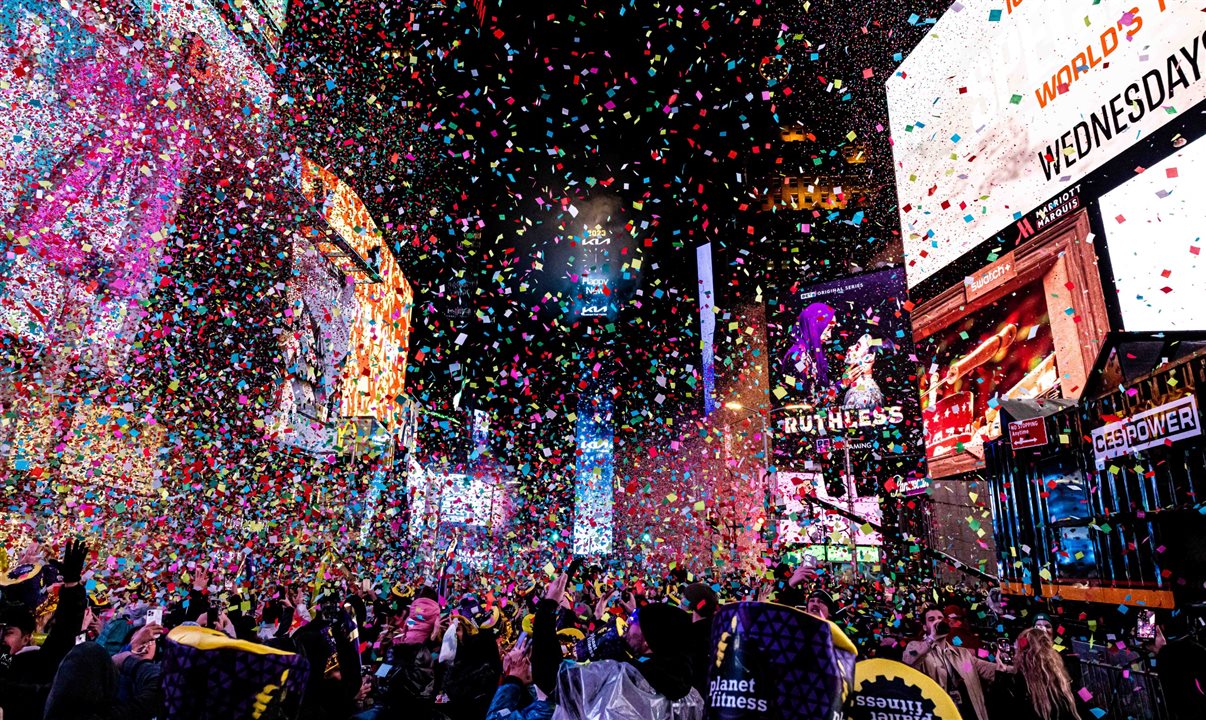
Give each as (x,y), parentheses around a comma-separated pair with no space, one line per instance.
(470,500)
(842,361)
(375,376)
(595,286)
(1026,327)
(1005,350)
(321,309)
(1006,104)
(593,491)
(803,522)
(707,325)
(1153,227)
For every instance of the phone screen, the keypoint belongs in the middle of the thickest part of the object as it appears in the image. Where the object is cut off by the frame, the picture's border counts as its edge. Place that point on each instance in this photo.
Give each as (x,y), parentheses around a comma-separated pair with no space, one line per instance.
(1146,628)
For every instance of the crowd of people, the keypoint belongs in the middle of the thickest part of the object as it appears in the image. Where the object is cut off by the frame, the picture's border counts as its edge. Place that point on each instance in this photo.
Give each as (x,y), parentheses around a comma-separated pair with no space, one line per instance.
(584,643)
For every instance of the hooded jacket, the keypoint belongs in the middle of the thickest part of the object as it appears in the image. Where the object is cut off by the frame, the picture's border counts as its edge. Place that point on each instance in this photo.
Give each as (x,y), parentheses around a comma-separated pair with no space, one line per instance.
(85,686)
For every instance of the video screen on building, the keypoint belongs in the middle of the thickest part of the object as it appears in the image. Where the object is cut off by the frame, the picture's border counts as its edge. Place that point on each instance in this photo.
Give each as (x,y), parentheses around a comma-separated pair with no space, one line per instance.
(593,473)
(1005,350)
(1006,104)
(1026,327)
(807,517)
(469,499)
(707,326)
(1154,224)
(842,370)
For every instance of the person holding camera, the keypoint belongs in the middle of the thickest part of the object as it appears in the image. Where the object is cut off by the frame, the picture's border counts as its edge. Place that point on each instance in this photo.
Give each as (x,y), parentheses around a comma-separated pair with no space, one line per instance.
(957,669)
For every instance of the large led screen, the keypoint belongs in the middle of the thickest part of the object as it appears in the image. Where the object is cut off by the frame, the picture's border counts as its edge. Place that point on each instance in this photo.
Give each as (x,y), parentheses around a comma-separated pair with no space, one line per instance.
(1006,350)
(707,325)
(1005,104)
(804,521)
(1154,225)
(1026,327)
(593,492)
(842,369)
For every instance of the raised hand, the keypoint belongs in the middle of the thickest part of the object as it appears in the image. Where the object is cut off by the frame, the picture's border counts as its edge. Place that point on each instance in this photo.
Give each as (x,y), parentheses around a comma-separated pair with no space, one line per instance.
(74,555)
(556,589)
(802,573)
(518,663)
(200,579)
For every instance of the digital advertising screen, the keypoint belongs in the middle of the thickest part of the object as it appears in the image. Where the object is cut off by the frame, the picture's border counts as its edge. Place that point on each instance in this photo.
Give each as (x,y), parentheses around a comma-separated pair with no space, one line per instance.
(604,263)
(842,370)
(707,325)
(1026,327)
(1005,104)
(1005,350)
(802,521)
(593,491)
(470,500)
(1154,224)
(380,334)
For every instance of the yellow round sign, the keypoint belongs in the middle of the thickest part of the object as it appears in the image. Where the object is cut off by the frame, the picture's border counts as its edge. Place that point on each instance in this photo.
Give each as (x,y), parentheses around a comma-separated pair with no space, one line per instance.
(888,690)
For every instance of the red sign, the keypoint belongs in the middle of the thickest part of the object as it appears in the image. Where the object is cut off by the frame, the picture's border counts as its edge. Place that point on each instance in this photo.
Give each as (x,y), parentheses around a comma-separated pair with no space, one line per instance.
(1028,433)
(948,424)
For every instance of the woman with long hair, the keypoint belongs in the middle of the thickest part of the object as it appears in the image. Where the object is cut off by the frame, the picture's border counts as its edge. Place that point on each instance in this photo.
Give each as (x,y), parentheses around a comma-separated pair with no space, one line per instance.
(806,359)
(1040,687)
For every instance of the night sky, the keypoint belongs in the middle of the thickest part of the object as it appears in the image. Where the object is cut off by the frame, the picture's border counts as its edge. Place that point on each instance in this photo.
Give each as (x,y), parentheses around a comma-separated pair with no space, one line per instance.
(653,111)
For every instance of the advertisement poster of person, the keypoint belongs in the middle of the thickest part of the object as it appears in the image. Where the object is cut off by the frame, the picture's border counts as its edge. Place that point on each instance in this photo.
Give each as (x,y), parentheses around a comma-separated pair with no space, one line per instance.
(842,368)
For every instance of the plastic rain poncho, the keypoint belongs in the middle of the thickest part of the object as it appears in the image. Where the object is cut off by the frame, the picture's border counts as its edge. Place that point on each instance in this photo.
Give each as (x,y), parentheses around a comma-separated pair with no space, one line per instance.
(612,690)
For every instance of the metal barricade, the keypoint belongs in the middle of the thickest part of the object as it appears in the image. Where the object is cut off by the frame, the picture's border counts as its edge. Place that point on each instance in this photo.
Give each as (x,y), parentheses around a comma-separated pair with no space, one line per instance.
(1124,692)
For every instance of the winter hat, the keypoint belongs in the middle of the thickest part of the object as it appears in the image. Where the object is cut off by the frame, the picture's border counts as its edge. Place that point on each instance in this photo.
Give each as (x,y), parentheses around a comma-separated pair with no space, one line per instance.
(421,622)
(665,627)
(701,598)
(826,598)
(18,616)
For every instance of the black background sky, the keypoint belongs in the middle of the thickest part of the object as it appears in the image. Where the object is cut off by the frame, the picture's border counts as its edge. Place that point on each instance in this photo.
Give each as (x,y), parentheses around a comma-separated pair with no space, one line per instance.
(653,111)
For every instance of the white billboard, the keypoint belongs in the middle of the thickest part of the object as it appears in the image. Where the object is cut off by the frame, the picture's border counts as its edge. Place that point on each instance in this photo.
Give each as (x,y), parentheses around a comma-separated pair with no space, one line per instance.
(1154,225)
(1007,102)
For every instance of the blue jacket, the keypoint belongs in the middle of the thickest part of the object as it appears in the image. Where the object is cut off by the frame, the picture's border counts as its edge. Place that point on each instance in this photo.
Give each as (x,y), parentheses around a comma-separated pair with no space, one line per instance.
(514,701)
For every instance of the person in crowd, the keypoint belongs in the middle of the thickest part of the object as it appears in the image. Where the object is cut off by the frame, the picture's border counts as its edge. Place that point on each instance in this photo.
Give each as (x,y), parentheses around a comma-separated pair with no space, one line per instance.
(653,671)
(1039,688)
(1180,649)
(701,601)
(1043,623)
(518,697)
(787,588)
(472,665)
(821,604)
(408,686)
(956,669)
(28,670)
(84,687)
(139,693)
(329,645)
